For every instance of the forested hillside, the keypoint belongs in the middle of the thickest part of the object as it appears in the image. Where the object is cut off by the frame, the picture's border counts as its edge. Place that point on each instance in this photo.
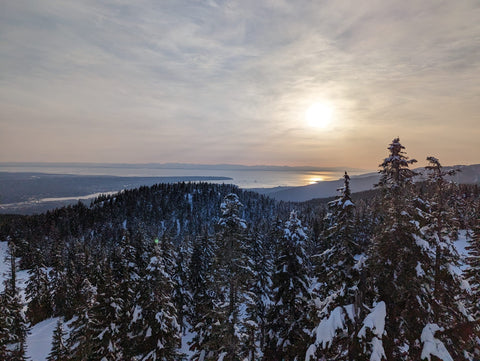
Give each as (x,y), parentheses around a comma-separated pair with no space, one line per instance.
(238,276)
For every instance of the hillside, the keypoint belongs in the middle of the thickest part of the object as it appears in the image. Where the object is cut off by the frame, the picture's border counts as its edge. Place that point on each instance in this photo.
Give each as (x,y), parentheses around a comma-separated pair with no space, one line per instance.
(469,174)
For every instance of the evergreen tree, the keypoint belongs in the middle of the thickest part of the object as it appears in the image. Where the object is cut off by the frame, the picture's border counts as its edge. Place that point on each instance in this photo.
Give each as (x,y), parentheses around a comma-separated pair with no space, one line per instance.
(127,276)
(339,283)
(4,329)
(202,290)
(402,263)
(156,335)
(448,311)
(80,342)
(58,286)
(399,260)
(13,324)
(288,316)
(181,295)
(231,275)
(257,300)
(59,350)
(472,274)
(38,289)
(220,330)
(105,318)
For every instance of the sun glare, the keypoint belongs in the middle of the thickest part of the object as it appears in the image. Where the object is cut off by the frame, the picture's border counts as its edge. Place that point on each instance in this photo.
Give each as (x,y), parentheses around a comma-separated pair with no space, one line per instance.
(315,179)
(319,115)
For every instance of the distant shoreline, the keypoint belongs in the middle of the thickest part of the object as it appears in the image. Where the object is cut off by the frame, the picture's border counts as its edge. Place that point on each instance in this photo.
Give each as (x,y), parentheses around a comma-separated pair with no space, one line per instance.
(34,192)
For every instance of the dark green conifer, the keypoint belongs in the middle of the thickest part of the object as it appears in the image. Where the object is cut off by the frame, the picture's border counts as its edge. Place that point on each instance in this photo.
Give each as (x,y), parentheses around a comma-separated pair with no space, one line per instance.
(59,350)
(288,317)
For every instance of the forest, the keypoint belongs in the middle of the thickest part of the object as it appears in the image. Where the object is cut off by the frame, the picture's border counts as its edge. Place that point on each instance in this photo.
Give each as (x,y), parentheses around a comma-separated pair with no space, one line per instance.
(208,272)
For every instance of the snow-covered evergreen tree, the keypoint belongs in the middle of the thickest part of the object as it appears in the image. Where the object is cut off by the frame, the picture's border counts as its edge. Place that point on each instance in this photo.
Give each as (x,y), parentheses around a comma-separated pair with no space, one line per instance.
(155,333)
(258,300)
(38,291)
(339,284)
(399,260)
(288,317)
(404,267)
(80,342)
(202,295)
(4,329)
(181,294)
(59,349)
(472,274)
(448,311)
(126,274)
(231,275)
(105,320)
(13,323)
(219,331)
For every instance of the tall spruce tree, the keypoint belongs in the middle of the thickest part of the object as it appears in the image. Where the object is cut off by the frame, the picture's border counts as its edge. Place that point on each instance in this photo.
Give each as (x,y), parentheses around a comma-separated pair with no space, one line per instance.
(59,351)
(38,291)
(201,287)
(155,333)
(219,331)
(402,261)
(80,341)
(339,283)
(232,275)
(448,310)
(288,319)
(13,323)
(398,259)
(105,317)
(4,329)
(472,274)
(257,300)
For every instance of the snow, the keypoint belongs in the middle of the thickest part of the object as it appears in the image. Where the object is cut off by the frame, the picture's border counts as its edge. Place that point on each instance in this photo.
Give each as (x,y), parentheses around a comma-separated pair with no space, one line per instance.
(378,353)
(39,341)
(310,353)
(375,321)
(422,243)
(187,338)
(419,270)
(433,346)
(137,313)
(361,260)
(328,327)
(348,203)
(4,266)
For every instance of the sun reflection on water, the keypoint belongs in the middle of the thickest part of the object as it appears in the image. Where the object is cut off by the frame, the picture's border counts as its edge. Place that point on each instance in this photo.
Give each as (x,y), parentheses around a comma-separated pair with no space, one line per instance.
(316,177)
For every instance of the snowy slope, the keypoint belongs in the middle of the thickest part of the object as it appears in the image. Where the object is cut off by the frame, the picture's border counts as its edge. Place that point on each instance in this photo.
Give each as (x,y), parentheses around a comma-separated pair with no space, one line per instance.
(39,341)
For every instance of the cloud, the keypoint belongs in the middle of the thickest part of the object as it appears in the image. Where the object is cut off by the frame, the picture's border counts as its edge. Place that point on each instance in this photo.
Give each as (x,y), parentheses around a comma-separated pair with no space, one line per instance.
(222,81)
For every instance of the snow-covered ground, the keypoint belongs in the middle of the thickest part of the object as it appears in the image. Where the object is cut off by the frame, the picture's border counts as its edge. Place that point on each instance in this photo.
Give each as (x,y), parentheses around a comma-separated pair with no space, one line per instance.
(39,341)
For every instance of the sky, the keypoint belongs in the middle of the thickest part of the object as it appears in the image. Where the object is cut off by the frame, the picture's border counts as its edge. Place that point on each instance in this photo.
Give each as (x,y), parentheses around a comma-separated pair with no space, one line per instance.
(224,81)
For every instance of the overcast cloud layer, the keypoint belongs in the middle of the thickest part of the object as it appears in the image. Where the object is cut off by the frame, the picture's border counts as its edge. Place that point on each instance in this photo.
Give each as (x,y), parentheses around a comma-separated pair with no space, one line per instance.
(230,81)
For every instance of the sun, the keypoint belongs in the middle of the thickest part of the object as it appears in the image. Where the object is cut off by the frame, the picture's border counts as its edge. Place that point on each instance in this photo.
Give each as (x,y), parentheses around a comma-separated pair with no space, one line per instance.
(319,115)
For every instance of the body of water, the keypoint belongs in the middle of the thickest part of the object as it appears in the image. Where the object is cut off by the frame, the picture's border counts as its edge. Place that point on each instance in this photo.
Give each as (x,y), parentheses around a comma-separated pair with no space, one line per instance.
(246,177)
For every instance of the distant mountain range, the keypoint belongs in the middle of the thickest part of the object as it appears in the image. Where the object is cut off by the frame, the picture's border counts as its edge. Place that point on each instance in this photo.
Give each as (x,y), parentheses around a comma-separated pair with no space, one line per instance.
(468,174)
